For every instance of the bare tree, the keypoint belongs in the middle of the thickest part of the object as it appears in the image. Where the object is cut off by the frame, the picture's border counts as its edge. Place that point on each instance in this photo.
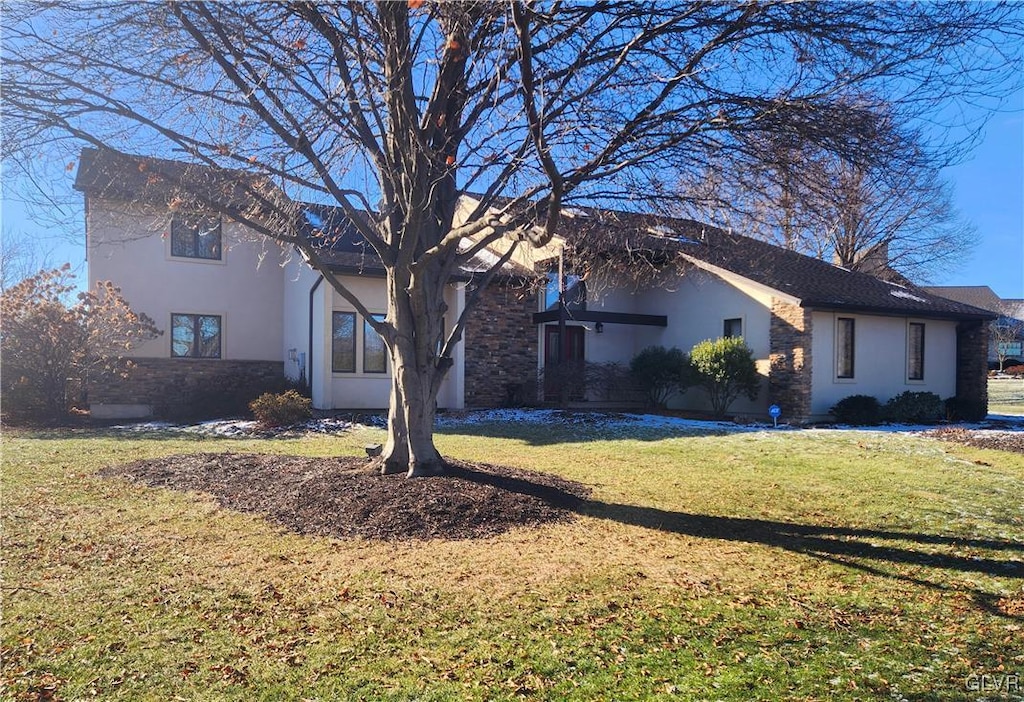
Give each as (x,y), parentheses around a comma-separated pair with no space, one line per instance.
(21,256)
(392,110)
(1007,333)
(892,218)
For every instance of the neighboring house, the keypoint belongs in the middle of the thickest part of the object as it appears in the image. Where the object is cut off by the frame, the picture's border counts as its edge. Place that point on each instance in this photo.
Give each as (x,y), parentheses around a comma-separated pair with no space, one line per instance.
(1010,312)
(233,303)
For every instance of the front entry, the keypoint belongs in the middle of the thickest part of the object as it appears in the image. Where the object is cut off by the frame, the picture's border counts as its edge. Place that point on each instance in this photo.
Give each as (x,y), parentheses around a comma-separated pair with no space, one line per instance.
(563,365)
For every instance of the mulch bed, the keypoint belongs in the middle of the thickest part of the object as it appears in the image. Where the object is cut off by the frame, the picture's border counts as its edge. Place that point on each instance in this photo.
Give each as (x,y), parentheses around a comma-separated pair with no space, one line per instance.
(342,497)
(999,440)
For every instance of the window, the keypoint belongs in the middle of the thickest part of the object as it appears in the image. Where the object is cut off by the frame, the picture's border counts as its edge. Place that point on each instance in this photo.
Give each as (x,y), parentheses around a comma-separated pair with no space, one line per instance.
(375,354)
(915,351)
(195,336)
(196,237)
(343,342)
(573,289)
(844,347)
(732,327)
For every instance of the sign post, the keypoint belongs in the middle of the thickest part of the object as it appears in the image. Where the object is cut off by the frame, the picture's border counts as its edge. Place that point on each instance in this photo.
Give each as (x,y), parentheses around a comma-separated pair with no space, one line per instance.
(775,412)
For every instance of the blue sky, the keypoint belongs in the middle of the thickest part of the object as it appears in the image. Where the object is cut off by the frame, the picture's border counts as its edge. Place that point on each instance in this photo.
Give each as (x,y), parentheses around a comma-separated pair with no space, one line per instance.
(988,191)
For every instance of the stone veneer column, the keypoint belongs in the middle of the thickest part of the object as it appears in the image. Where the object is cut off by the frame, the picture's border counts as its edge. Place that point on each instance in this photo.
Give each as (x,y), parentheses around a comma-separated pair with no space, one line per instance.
(789,376)
(972,339)
(501,343)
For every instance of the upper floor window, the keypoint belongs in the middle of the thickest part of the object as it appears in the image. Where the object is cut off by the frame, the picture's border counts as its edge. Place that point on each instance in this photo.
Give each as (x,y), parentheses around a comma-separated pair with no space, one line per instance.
(196,236)
(915,351)
(845,343)
(732,327)
(195,336)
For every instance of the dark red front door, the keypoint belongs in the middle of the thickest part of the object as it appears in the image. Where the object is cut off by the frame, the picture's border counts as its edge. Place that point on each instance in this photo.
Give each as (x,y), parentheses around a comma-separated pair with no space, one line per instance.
(553,353)
(571,355)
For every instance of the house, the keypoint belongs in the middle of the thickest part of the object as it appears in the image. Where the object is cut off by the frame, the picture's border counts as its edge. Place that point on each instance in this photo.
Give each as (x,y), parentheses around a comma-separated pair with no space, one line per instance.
(819,332)
(1011,319)
(240,309)
(235,304)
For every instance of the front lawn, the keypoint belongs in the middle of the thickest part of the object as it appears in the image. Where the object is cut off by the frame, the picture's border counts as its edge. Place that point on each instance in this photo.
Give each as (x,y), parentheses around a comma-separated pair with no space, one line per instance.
(1006,395)
(742,566)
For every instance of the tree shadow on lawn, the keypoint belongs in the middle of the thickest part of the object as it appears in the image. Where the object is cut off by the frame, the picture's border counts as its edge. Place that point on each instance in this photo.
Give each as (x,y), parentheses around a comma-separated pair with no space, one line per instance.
(850,547)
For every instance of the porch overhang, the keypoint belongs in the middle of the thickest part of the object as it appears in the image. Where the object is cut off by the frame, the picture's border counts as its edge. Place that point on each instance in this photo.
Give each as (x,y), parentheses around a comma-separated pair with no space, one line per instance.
(649,320)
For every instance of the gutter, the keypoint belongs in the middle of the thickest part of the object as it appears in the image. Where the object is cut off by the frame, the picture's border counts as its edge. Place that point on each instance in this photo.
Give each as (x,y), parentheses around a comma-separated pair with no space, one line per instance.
(309,355)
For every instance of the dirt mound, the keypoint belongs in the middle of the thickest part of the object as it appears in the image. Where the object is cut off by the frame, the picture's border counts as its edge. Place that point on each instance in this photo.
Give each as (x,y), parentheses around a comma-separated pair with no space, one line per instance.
(341,497)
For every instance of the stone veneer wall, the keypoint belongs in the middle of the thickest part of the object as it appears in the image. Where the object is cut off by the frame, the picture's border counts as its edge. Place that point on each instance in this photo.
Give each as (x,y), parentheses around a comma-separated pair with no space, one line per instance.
(972,341)
(501,344)
(165,384)
(789,376)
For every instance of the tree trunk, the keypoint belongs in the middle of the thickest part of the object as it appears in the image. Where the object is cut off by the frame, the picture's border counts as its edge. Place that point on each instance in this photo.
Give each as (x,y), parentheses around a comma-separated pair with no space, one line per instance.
(410,443)
(416,313)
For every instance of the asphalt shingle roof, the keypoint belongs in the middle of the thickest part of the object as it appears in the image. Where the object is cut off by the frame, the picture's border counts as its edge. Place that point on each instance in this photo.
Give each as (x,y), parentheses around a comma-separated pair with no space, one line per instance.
(976,295)
(816,283)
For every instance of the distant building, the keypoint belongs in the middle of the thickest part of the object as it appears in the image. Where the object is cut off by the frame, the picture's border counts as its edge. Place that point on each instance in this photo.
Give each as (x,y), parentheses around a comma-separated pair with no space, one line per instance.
(1010,311)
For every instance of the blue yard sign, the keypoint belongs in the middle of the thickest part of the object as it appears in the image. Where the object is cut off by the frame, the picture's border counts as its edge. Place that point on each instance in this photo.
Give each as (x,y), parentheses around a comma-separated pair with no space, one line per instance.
(775,412)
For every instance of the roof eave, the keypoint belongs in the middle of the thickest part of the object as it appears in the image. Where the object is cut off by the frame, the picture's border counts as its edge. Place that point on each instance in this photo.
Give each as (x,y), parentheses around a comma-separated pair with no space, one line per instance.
(898,312)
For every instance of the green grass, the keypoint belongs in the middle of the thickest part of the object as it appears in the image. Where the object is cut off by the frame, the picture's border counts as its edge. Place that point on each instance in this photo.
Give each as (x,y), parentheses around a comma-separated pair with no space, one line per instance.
(771,565)
(1006,396)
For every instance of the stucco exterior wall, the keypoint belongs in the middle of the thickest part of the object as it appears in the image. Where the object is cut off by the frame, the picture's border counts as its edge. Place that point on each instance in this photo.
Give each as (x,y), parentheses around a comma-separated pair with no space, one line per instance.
(696,305)
(880,359)
(299,279)
(361,390)
(131,247)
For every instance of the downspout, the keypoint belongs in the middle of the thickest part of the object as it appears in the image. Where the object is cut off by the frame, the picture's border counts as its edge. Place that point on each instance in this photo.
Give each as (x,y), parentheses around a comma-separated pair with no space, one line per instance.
(563,334)
(309,356)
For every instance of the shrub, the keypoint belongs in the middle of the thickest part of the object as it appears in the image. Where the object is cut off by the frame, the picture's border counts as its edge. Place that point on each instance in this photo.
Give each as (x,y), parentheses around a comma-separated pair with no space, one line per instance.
(915,407)
(227,395)
(858,410)
(52,341)
(564,381)
(725,369)
(960,410)
(1015,371)
(281,409)
(660,373)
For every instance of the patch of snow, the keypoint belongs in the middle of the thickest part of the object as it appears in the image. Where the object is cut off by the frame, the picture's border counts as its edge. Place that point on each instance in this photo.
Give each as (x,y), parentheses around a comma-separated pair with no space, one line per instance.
(142,427)
(488,257)
(612,424)
(245,428)
(665,232)
(597,420)
(907,296)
